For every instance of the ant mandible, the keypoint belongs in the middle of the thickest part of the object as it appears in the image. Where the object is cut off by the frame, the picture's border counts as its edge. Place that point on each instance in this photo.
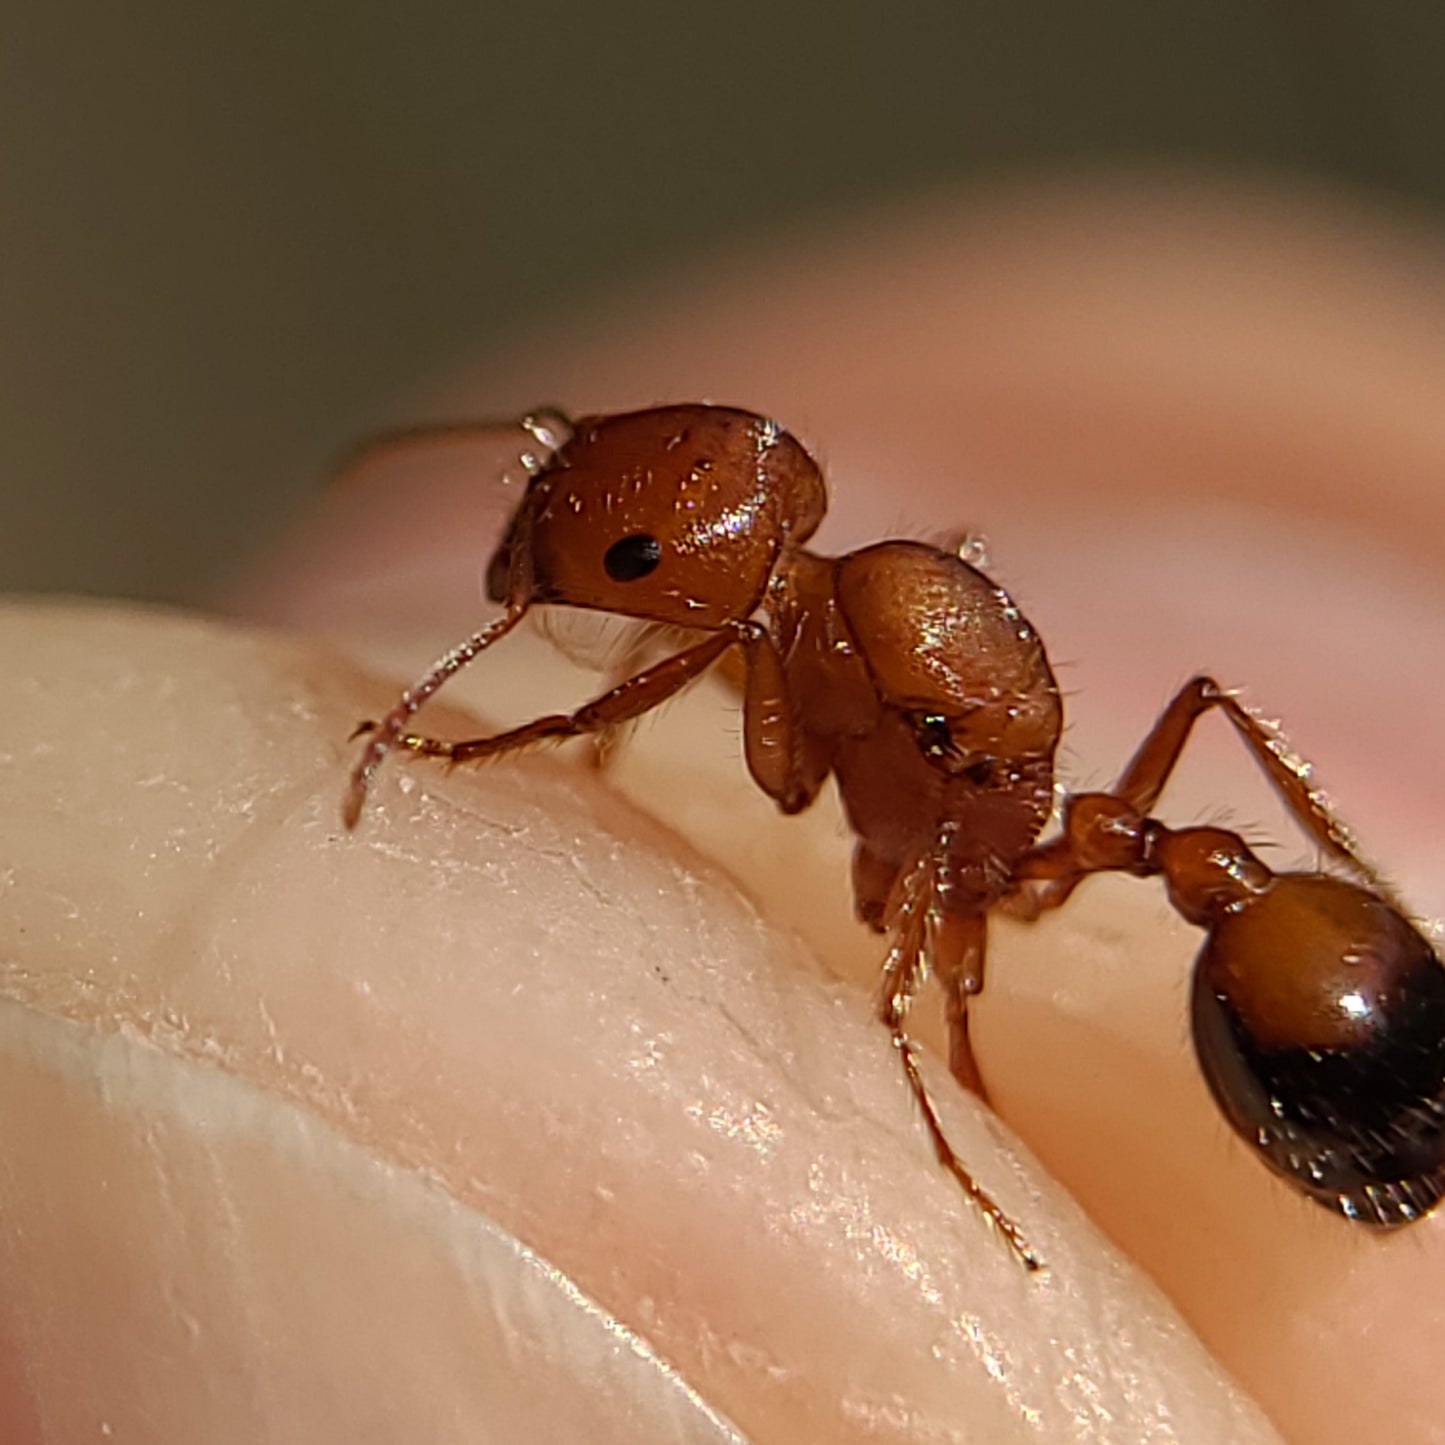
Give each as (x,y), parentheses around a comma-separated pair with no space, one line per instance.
(907,675)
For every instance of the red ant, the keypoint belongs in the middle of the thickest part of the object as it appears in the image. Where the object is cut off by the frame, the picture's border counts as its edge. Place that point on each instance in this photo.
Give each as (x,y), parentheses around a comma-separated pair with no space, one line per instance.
(910,677)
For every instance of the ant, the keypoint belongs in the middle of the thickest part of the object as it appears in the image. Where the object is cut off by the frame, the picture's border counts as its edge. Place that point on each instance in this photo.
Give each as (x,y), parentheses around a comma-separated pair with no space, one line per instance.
(1318,1011)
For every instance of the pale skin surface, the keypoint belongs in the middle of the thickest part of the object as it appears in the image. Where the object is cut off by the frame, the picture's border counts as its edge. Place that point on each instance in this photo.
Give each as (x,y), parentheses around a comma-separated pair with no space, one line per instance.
(1101,388)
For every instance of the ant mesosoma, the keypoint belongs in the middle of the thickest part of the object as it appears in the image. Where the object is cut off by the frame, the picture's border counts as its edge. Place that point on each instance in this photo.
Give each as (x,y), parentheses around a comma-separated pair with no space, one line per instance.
(912,679)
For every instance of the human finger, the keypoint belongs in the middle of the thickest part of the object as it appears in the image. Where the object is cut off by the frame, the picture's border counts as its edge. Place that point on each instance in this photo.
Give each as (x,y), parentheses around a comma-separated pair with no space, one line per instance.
(503,1115)
(1199,427)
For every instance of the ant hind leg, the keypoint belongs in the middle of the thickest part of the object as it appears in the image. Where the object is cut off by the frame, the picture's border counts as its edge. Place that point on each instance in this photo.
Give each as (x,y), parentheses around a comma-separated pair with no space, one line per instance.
(1111,831)
(1154,762)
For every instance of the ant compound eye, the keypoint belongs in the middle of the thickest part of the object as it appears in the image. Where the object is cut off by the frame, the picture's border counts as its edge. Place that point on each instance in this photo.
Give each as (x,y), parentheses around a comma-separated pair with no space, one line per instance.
(632,558)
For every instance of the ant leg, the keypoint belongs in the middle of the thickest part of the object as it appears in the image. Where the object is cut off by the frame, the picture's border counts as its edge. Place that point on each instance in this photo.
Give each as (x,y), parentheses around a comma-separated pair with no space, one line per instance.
(385,735)
(902,975)
(873,879)
(953,946)
(1104,831)
(1151,766)
(631,699)
(1316,1010)
(956,951)
(604,743)
(1046,876)
(786,761)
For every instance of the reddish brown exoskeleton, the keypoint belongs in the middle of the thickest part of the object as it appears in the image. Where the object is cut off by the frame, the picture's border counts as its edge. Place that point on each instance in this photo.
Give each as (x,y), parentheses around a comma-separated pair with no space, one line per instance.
(912,679)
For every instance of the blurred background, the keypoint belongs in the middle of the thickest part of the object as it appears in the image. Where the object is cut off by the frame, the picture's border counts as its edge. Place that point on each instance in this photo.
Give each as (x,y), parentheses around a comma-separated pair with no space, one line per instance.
(233,235)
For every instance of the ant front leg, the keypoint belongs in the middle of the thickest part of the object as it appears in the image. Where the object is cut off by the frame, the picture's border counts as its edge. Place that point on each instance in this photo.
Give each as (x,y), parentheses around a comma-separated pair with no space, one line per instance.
(629,700)
(603,745)
(787,761)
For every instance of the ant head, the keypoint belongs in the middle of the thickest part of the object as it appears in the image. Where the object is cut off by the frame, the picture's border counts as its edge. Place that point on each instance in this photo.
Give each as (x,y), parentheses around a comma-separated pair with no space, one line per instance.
(676,515)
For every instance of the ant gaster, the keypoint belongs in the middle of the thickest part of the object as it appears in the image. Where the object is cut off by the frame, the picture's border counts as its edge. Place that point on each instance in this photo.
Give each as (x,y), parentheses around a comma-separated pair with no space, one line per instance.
(912,679)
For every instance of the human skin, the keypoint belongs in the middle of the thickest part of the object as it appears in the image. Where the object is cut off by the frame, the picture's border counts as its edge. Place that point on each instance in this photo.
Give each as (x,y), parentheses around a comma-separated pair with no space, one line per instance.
(1160,406)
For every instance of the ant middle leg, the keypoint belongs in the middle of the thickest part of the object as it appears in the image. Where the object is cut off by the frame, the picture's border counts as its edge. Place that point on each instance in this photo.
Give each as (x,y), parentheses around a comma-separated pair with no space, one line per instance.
(949,945)
(914,923)
(959,970)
